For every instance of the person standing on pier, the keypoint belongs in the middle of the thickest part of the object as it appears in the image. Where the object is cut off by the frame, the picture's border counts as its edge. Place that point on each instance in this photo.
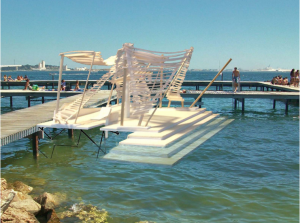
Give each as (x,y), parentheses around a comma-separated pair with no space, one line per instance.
(292,74)
(63,85)
(235,78)
(296,79)
(27,85)
(77,88)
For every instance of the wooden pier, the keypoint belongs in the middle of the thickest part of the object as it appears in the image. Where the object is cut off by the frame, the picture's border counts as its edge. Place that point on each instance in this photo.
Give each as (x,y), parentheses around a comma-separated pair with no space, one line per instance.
(219,85)
(22,123)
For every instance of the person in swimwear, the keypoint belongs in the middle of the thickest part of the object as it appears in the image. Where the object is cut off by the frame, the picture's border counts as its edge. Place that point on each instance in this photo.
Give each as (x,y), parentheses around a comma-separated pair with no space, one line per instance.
(235,78)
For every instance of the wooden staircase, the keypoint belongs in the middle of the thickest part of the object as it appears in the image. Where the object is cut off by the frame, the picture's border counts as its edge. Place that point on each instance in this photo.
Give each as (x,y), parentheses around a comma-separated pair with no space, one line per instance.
(70,110)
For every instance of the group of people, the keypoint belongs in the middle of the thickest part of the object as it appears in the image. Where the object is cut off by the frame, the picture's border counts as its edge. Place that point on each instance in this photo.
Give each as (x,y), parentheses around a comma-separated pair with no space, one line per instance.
(294,79)
(279,80)
(63,86)
(19,78)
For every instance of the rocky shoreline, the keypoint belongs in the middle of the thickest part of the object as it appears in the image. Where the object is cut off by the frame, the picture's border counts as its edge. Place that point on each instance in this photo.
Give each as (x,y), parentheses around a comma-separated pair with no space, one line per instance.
(17,205)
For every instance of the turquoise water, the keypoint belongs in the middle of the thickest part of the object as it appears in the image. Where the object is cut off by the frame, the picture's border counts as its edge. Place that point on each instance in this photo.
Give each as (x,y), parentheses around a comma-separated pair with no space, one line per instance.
(248,172)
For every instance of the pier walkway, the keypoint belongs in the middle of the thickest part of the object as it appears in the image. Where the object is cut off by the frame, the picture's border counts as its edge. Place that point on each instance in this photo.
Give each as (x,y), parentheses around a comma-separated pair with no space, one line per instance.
(258,85)
(22,123)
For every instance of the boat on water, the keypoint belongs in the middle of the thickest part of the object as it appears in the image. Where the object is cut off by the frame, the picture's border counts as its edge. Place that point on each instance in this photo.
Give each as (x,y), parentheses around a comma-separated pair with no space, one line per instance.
(140,80)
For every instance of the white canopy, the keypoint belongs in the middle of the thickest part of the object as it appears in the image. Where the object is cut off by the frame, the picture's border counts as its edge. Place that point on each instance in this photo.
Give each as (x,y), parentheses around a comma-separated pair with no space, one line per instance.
(86,57)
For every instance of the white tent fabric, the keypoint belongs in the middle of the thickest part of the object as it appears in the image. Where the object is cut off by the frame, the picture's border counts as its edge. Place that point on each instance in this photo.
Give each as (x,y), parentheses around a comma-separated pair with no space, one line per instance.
(86,57)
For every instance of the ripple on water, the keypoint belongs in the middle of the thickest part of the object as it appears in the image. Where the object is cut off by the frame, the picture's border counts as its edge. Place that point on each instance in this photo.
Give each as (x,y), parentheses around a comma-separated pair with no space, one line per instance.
(248,172)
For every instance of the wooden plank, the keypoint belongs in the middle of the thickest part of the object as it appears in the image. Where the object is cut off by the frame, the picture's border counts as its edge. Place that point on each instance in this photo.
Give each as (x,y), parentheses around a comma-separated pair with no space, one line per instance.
(20,123)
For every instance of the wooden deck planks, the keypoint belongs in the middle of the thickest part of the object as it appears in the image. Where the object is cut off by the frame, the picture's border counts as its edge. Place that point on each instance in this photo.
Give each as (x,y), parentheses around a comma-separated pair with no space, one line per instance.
(21,123)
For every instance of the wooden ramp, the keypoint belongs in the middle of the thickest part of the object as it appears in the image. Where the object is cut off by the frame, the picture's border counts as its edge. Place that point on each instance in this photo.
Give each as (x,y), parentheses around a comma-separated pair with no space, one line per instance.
(21,123)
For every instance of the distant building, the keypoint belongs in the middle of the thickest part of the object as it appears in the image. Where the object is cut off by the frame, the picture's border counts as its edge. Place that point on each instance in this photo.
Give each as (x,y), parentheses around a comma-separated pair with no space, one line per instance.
(42,65)
(81,68)
(66,68)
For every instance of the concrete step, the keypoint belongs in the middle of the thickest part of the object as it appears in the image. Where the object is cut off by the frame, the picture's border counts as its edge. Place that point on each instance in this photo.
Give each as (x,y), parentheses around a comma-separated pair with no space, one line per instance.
(169,140)
(177,122)
(171,131)
(175,152)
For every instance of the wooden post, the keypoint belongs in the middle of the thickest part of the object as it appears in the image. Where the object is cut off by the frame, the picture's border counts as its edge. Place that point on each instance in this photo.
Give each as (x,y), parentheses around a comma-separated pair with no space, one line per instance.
(200,103)
(28,101)
(243,104)
(43,100)
(235,103)
(286,106)
(123,92)
(210,83)
(11,101)
(178,71)
(59,82)
(274,104)
(70,133)
(35,144)
(85,88)
(110,94)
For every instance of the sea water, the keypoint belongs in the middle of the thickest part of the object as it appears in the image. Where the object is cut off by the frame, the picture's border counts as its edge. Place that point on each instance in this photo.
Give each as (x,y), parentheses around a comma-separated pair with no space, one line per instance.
(248,172)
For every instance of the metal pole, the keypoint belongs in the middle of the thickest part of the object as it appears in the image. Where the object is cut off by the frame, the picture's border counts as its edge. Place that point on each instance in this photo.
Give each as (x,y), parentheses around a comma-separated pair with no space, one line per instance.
(210,83)
(86,84)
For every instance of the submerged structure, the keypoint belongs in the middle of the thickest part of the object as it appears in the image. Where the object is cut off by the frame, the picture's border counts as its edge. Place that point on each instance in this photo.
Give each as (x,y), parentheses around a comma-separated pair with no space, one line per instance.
(141,79)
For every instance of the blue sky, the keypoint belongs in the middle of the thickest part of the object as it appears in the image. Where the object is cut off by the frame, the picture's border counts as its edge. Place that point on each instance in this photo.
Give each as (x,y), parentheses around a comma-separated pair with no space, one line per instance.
(254,33)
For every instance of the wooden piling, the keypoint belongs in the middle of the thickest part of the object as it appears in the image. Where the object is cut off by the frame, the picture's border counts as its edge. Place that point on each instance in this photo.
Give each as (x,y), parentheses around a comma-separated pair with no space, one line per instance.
(28,98)
(200,103)
(70,133)
(286,106)
(43,100)
(35,144)
(243,104)
(11,101)
(274,104)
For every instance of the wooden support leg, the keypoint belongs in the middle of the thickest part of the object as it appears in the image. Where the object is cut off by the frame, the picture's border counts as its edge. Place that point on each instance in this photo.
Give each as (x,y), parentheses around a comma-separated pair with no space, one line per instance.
(11,101)
(43,100)
(200,100)
(169,104)
(28,101)
(286,106)
(70,133)
(182,103)
(274,103)
(140,120)
(243,104)
(235,103)
(35,144)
